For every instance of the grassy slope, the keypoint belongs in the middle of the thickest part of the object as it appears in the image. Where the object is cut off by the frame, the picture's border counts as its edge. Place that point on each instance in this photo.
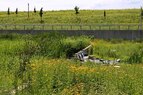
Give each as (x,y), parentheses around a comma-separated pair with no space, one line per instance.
(69,17)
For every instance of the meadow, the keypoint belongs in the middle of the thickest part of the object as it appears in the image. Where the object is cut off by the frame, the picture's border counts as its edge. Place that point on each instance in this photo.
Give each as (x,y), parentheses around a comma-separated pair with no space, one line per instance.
(85,20)
(45,64)
(127,16)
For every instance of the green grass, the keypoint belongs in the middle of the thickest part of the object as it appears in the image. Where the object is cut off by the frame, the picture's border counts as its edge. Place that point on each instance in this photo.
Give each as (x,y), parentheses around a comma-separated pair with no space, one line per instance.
(114,49)
(41,61)
(69,17)
(86,17)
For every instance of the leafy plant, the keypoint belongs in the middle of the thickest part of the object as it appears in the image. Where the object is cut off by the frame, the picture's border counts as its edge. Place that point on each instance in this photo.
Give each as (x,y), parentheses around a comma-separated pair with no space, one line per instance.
(76,10)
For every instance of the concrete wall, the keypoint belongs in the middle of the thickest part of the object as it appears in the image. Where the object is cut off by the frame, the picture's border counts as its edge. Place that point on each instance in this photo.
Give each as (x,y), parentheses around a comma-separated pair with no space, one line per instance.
(101,34)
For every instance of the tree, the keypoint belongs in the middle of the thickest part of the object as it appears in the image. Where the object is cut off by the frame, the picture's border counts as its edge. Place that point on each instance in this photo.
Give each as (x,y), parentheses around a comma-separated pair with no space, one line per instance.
(141,11)
(8,11)
(104,14)
(41,13)
(76,10)
(34,10)
(16,11)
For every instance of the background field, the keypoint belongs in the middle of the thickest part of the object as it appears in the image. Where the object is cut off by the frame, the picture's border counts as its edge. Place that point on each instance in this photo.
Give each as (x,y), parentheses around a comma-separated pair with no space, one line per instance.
(128,16)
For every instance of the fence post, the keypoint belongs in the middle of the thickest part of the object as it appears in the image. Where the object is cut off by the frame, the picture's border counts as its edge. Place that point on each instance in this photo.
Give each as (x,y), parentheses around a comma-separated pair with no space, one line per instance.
(71,27)
(61,27)
(15,27)
(52,27)
(6,27)
(138,27)
(99,27)
(43,27)
(128,27)
(80,27)
(33,27)
(119,27)
(90,27)
(24,27)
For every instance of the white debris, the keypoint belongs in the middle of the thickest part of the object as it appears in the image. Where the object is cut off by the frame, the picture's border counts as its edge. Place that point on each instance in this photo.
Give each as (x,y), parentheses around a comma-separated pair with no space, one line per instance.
(117,66)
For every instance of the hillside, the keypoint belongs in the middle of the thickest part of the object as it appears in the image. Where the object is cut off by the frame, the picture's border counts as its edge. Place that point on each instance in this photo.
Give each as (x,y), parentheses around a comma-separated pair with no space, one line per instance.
(69,17)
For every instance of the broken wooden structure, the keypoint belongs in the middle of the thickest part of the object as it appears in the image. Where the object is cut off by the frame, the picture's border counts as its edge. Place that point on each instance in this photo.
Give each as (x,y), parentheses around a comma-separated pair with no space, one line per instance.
(85,55)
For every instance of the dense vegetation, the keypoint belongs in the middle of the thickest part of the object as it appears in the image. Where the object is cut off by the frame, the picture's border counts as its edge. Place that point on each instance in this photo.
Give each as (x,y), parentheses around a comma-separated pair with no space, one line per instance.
(41,62)
(69,17)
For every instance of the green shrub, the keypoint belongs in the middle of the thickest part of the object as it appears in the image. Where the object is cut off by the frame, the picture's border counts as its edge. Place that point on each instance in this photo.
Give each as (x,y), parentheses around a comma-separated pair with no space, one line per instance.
(56,45)
(136,57)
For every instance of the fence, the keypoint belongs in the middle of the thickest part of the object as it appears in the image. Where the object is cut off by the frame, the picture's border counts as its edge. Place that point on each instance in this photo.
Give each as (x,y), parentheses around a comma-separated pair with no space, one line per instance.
(70,27)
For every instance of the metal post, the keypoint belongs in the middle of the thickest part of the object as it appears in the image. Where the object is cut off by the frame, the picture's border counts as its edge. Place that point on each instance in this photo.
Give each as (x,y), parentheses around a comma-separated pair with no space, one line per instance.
(24,27)
(99,27)
(28,10)
(6,27)
(80,27)
(33,27)
(90,27)
(141,20)
(43,27)
(128,27)
(71,27)
(52,27)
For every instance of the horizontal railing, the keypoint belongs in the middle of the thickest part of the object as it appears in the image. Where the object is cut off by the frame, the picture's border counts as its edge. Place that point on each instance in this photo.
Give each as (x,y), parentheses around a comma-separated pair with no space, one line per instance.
(70,27)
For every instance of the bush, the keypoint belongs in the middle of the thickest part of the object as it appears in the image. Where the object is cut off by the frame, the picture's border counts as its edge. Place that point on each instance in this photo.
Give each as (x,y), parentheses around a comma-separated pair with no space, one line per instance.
(136,57)
(56,45)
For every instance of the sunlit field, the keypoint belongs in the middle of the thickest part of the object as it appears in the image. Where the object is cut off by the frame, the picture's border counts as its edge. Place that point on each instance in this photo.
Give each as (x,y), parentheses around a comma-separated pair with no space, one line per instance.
(128,16)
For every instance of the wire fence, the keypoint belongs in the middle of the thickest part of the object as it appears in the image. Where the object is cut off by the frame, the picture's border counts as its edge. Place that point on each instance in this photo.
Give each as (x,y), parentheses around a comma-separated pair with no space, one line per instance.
(70,27)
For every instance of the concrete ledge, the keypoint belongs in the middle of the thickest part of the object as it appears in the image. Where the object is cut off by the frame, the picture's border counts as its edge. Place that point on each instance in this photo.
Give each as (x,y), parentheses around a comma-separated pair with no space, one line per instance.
(101,34)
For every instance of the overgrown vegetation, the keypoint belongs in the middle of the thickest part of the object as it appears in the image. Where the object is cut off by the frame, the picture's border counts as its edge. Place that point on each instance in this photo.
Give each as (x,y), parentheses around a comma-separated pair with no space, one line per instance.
(41,63)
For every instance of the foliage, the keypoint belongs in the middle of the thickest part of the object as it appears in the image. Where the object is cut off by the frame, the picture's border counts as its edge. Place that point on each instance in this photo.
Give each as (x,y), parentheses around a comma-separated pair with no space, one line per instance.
(76,10)
(56,45)
(34,10)
(40,62)
(141,11)
(127,51)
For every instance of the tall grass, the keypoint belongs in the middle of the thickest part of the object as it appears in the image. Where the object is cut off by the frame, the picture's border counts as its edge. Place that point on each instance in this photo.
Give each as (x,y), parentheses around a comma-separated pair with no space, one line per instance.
(41,62)
(127,51)
(56,45)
